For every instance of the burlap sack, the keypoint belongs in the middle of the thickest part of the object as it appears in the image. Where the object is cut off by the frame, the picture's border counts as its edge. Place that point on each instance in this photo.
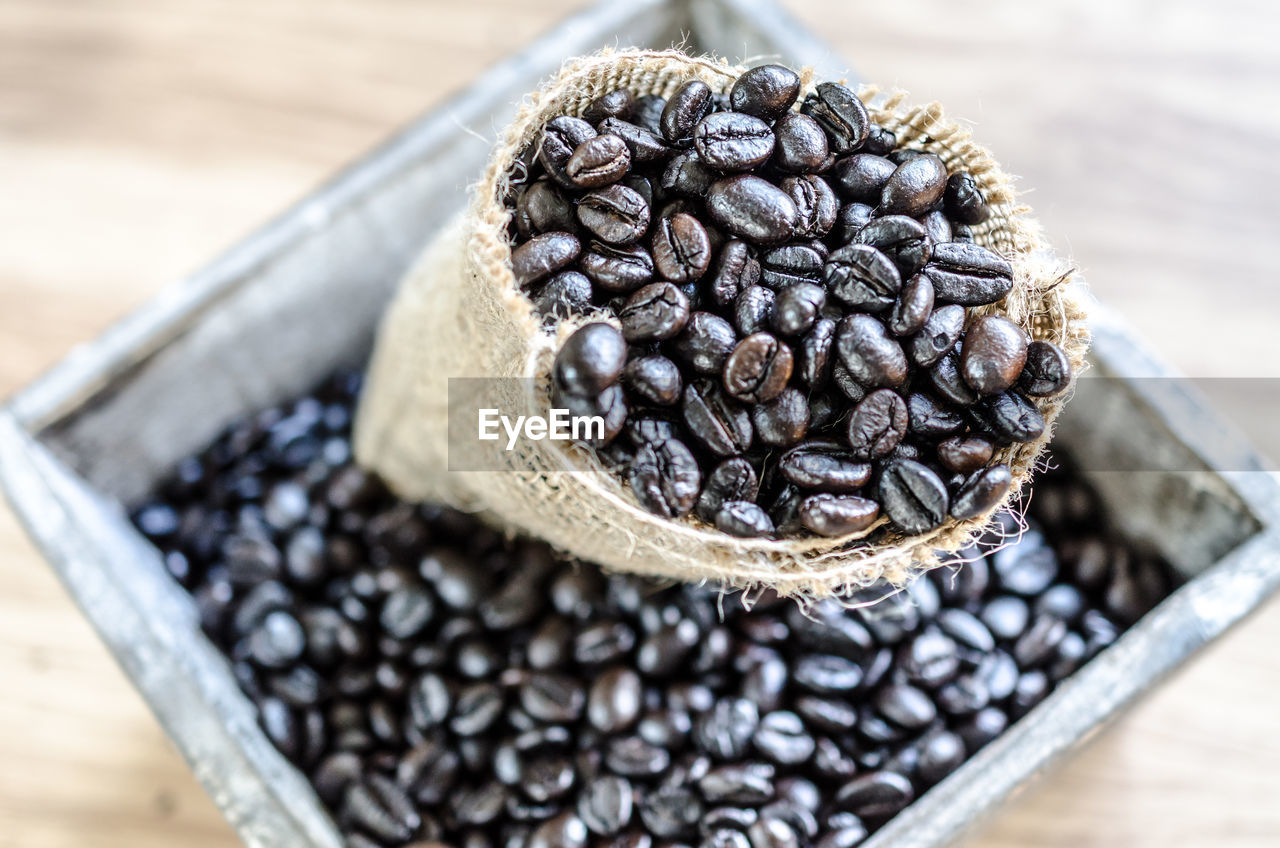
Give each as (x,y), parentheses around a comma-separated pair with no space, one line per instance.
(459,314)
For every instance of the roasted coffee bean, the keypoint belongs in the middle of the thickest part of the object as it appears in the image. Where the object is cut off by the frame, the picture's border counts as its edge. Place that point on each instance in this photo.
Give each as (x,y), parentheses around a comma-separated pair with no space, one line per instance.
(646,111)
(797,307)
(912,496)
(617,269)
(800,145)
(665,478)
(743,519)
(1038,644)
(905,706)
(615,104)
(686,108)
(1009,417)
(655,379)
(725,731)
(1006,616)
(862,277)
(903,240)
(731,141)
(753,310)
(949,384)
(877,795)
(1047,371)
(605,805)
(964,454)
(671,812)
(877,425)
(785,266)
(721,424)
(656,312)
(681,251)
(631,756)
(915,187)
(826,674)
(912,307)
(614,214)
(613,703)
(543,255)
(839,111)
(758,368)
(564,295)
(851,218)
(813,354)
(552,697)
(598,162)
(736,270)
(1061,601)
(930,420)
(378,806)
(941,331)
(837,515)
(591,360)
(981,492)
(930,658)
(610,406)
(732,480)
(542,208)
(993,353)
(706,342)
(968,274)
(783,421)
(766,91)
(824,466)
(963,199)
(753,209)
(1027,568)
(937,226)
(816,205)
(745,783)
(687,175)
(645,146)
(862,177)
(565,830)
(560,138)
(872,356)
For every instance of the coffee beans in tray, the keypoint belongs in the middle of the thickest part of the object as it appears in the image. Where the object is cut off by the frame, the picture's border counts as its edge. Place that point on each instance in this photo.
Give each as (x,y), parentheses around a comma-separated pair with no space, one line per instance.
(439,682)
(803,337)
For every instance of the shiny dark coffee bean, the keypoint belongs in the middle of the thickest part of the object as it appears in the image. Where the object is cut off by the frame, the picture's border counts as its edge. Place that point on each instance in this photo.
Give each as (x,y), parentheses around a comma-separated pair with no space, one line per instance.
(614,214)
(615,104)
(862,277)
(705,343)
(613,703)
(912,496)
(937,226)
(993,353)
(905,706)
(872,356)
(617,269)
(717,421)
(565,830)
(646,111)
(840,113)
(877,795)
(736,270)
(745,783)
(1038,644)
(752,208)
(783,421)
(732,141)
(758,368)
(785,266)
(655,379)
(766,91)
(671,812)
(560,138)
(949,384)
(681,251)
(861,177)
(598,162)
(964,454)
(542,208)
(686,108)
(826,674)
(732,480)
(665,478)
(902,239)
(564,295)
(631,756)
(646,147)
(378,806)
(981,492)
(912,308)
(542,256)
(877,425)
(963,199)
(591,360)
(725,731)
(813,354)
(656,312)
(753,310)
(816,205)
(1047,371)
(797,307)
(915,187)
(941,331)
(929,419)
(800,145)
(1009,417)
(687,175)
(851,218)
(824,466)
(837,515)
(968,274)
(743,519)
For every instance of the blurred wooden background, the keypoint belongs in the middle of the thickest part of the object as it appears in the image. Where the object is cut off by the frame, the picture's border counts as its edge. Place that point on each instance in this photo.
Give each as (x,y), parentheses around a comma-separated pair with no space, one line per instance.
(140,137)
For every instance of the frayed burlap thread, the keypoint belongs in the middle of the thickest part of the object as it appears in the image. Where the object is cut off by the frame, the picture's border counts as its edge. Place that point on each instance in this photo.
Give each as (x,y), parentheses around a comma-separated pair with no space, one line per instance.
(458,313)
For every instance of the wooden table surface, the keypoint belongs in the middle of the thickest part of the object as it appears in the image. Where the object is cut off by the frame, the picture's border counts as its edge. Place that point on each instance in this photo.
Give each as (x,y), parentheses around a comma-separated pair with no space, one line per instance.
(137,139)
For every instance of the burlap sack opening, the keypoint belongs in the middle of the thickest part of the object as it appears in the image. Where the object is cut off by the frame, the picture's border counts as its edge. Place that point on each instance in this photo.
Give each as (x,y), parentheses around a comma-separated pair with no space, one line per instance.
(458,313)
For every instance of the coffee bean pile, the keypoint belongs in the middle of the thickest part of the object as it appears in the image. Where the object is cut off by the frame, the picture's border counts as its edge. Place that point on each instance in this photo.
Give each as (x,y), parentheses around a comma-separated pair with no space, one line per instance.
(796,352)
(439,682)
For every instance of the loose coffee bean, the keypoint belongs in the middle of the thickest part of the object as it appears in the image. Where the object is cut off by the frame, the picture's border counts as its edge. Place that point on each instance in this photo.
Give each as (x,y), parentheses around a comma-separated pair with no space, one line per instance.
(879,794)
(614,214)
(665,478)
(671,812)
(655,379)
(797,308)
(800,145)
(743,519)
(753,310)
(706,342)
(645,146)
(681,250)
(912,307)
(605,805)
(813,354)
(591,360)
(938,336)
(736,271)
(937,226)
(964,455)
(839,111)
(851,218)
(981,492)
(687,175)
(816,205)
(766,91)
(862,277)
(968,274)
(912,496)
(878,424)
(906,706)
(862,177)
(905,241)
(613,704)
(837,515)
(1047,371)
(993,353)
(915,187)
(560,138)
(732,480)
(753,209)
(783,421)
(598,161)
(716,420)
(732,141)
(824,466)
(964,200)
(686,108)
(617,269)
(871,355)
(542,208)
(543,255)
(758,368)
(615,104)
(949,384)
(790,264)
(564,295)
(930,420)
(1009,417)
(656,312)
(646,111)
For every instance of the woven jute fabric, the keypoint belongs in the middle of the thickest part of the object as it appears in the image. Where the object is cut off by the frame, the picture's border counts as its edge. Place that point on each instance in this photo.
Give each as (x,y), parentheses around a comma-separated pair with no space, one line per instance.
(459,313)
